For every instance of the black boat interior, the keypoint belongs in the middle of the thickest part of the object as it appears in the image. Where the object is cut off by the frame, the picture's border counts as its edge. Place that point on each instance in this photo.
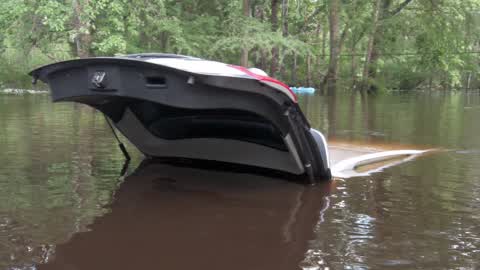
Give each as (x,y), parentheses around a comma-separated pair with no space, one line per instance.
(171,123)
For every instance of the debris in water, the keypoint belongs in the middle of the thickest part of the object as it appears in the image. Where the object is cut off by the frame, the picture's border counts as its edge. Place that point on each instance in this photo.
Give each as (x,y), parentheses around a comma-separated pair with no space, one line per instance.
(22,91)
(303,90)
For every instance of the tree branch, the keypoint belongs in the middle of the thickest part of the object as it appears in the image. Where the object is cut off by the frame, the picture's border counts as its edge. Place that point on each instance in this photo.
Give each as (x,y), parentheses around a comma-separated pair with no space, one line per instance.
(399,8)
(313,15)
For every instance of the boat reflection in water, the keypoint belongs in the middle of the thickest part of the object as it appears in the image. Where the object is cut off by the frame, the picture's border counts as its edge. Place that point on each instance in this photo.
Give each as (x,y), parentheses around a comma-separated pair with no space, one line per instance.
(167,216)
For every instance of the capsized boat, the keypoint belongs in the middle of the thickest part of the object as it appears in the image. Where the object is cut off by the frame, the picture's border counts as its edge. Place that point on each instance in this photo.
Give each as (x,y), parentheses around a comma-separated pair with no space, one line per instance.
(173,106)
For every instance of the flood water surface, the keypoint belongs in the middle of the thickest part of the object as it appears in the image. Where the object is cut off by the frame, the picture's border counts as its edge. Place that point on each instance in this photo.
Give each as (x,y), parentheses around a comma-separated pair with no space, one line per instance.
(65,205)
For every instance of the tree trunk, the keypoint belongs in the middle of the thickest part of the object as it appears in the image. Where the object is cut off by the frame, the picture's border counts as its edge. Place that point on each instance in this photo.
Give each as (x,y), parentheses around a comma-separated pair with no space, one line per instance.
(260,15)
(353,67)
(284,34)
(83,37)
(294,69)
(469,80)
(274,22)
(263,59)
(324,44)
(244,58)
(246,13)
(285,18)
(377,43)
(309,70)
(381,13)
(334,20)
(164,41)
(370,45)
(318,60)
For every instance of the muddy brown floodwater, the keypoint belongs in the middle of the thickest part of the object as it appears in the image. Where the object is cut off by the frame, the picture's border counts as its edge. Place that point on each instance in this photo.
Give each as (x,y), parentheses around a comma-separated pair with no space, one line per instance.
(64,205)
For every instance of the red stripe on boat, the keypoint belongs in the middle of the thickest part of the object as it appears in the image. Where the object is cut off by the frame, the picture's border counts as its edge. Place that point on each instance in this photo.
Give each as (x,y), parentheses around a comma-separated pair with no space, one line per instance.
(265,79)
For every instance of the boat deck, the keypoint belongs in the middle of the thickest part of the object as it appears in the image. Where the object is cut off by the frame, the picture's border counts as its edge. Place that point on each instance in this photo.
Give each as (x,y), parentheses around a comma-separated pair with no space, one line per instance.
(338,153)
(350,160)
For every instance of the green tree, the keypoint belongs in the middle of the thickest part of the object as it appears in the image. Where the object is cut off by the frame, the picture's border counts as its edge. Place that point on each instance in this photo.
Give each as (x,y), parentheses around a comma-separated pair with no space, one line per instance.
(389,43)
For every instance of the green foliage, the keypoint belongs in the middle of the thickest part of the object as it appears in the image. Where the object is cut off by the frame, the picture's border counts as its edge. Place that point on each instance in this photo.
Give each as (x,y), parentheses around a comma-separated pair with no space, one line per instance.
(428,41)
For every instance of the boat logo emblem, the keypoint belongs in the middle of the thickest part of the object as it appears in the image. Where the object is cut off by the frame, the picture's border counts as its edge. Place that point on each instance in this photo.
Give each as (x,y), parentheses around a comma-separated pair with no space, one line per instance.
(98,79)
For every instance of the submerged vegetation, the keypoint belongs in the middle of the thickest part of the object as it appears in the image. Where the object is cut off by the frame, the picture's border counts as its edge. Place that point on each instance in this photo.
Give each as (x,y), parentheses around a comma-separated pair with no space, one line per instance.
(368,45)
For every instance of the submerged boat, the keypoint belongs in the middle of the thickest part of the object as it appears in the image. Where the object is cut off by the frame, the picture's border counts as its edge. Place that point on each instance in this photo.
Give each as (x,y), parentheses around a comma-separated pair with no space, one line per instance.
(173,106)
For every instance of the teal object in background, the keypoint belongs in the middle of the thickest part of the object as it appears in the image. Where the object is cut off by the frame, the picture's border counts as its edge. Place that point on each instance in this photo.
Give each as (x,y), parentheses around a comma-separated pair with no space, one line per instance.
(303,90)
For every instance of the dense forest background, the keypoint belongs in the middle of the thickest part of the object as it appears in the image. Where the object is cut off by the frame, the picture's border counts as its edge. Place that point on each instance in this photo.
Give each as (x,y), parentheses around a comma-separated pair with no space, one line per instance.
(369,45)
